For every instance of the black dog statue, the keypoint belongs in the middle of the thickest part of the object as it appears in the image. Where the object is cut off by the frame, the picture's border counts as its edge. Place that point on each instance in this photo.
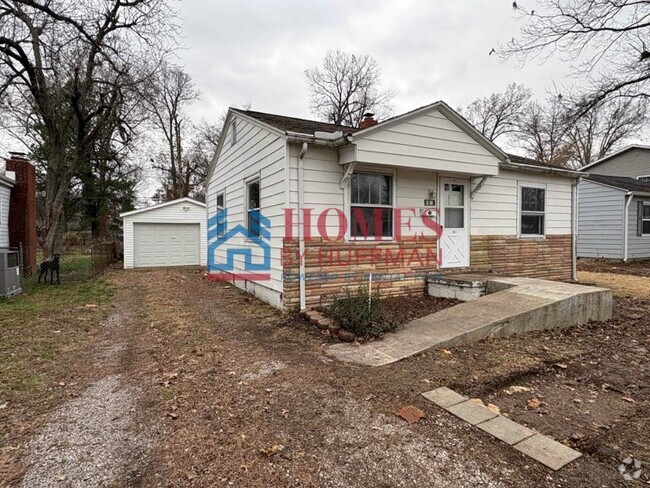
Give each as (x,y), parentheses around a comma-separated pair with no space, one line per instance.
(50,265)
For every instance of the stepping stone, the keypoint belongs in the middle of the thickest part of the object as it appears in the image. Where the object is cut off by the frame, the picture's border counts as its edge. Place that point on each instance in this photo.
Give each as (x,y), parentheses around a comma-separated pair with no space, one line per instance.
(471,413)
(547,451)
(444,397)
(506,430)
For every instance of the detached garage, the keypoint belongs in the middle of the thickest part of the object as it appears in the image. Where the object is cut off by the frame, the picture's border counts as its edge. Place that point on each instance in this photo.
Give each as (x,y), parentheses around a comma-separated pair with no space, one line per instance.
(170,234)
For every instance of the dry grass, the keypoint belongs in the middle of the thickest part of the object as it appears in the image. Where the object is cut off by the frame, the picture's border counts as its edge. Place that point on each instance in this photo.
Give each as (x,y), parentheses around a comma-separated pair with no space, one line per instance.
(623,285)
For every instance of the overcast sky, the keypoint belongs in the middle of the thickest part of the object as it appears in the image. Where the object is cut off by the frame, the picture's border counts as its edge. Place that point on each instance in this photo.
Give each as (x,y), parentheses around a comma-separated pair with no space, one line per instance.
(244,51)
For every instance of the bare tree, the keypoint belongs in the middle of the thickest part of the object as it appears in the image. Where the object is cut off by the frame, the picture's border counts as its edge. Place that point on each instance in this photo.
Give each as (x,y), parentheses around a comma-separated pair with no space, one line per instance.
(603,129)
(345,87)
(543,130)
(606,40)
(69,64)
(167,98)
(499,114)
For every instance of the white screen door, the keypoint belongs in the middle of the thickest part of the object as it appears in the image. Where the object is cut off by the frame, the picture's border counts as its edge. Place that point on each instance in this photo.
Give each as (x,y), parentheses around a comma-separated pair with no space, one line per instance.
(454,242)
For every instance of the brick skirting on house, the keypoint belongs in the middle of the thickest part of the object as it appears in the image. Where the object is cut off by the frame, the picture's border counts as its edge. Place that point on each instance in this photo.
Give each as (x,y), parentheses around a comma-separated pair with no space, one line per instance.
(401,268)
(548,257)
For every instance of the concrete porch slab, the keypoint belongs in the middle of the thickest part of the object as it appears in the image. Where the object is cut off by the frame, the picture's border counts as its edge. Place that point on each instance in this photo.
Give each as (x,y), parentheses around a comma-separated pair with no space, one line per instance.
(513,306)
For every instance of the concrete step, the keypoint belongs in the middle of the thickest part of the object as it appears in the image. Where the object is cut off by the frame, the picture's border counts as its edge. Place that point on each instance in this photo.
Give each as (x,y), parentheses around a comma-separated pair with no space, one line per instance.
(513,306)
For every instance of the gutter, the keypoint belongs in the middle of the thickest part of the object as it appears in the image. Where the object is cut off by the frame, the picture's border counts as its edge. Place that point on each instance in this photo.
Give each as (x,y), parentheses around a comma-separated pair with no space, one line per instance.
(574,229)
(301,226)
(541,169)
(327,139)
(626,220)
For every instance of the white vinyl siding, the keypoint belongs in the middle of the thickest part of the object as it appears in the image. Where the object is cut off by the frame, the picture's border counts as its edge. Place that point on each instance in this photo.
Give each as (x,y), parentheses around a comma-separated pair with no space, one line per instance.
(601,212)
(494,208)
(258,153)
(5,195)
(173,213)
(429,141)
(638,247)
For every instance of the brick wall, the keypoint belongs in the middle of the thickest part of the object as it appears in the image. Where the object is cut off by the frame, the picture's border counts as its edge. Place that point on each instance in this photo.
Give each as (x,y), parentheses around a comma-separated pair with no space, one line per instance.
(550,257)
(331,267)
(22,211)
(399,268)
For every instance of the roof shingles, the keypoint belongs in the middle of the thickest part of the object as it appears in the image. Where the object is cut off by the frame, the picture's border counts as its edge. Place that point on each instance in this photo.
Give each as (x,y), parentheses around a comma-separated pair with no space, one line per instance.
(293,124)
(624,183)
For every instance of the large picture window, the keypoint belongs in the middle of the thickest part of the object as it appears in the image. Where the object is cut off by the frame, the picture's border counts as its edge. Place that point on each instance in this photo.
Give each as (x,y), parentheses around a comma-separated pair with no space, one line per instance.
(532,211)
(253,207)
(371,206)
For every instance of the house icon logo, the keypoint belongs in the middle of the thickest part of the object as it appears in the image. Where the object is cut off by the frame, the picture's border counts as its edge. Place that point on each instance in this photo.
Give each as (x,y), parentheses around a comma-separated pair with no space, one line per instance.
(234,254)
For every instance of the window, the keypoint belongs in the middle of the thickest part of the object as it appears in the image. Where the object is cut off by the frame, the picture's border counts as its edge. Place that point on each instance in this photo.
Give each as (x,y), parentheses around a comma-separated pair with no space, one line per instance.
(253,207)
(233,133)
(643,178)
(645,218)
(221,224)
(371,206)
(532,211)
(454,201)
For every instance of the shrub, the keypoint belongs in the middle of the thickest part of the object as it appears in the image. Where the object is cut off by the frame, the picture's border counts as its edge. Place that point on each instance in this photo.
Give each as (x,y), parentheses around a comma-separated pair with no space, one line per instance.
(353,313)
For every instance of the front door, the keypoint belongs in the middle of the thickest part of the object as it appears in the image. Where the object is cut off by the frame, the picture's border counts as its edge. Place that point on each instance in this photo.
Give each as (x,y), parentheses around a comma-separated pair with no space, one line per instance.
(454,205)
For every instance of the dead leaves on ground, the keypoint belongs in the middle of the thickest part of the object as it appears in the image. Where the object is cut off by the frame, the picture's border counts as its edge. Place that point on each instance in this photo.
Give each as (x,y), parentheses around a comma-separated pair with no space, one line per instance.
(411,414)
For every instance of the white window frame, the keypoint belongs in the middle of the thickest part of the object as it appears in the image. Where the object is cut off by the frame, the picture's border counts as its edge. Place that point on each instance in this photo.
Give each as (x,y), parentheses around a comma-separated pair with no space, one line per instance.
(348,211)
(520,212)
(644,219)
(247,182)
(639,178)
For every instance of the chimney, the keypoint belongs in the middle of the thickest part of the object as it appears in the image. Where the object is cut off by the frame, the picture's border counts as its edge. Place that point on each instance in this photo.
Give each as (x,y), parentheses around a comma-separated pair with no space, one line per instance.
(22,209)
(368,121)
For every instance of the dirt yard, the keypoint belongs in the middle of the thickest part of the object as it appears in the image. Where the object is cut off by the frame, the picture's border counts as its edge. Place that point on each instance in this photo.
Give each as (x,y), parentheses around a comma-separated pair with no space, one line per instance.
(190,383)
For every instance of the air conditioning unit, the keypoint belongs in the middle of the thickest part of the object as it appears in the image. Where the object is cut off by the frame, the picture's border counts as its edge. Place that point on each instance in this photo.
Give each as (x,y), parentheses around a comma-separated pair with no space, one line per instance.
(9,273)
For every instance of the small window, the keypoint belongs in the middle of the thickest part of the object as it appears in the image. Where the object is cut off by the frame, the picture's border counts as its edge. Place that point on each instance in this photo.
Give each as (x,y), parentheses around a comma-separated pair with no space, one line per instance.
(221,224)
(233,133)
(532,211)
(644,178)
(646,218)
(253,207)
(371,206)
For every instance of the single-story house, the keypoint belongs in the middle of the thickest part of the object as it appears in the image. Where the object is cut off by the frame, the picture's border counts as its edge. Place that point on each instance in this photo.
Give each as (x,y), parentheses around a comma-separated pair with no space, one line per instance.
(7,182)
(614,206)
(300,210)
(169,234)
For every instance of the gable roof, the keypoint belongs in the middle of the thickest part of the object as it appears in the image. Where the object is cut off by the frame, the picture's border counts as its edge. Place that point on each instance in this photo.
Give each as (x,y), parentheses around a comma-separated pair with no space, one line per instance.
(624,183)
(294,124)
(162,205)
(615,154)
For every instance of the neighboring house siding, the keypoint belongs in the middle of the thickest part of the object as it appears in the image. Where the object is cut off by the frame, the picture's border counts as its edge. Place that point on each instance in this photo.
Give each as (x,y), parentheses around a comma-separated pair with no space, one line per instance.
(169,214)
(495,207)
(5,194)
(429,141)
(632,163)
(601,211)
(638,247)
(260,152)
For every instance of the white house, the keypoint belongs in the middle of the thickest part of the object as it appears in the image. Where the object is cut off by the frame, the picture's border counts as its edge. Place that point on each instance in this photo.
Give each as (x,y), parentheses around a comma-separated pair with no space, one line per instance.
(381,199)
(614,206)
(7,182)
(170,234)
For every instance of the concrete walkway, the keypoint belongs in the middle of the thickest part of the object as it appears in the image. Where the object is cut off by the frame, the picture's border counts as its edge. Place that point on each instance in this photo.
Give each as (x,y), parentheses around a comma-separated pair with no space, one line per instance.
(541,448)
(512,306)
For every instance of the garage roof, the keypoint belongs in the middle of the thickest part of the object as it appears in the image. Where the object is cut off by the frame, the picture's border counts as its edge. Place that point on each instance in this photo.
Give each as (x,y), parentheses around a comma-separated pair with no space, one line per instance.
(162,205)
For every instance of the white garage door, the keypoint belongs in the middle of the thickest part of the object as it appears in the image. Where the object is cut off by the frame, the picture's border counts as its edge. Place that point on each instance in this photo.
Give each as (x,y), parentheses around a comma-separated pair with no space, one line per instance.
(166,244)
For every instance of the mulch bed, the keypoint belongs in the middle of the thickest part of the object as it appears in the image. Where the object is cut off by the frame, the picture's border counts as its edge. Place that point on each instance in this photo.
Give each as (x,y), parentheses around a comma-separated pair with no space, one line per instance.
(638,268)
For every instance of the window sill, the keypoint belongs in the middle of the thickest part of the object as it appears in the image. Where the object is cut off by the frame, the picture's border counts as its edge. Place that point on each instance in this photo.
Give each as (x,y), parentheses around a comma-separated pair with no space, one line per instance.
(532,236)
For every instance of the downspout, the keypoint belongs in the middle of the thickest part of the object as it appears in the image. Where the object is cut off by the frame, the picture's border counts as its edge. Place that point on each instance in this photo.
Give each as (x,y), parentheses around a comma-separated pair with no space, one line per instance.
(626,230)
(574,230)
(301,228)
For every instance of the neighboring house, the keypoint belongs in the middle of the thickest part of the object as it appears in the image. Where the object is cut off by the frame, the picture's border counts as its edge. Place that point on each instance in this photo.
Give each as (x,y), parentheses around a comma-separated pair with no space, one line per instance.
(399,184)
(169,234)
(7,182)
(614,206)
